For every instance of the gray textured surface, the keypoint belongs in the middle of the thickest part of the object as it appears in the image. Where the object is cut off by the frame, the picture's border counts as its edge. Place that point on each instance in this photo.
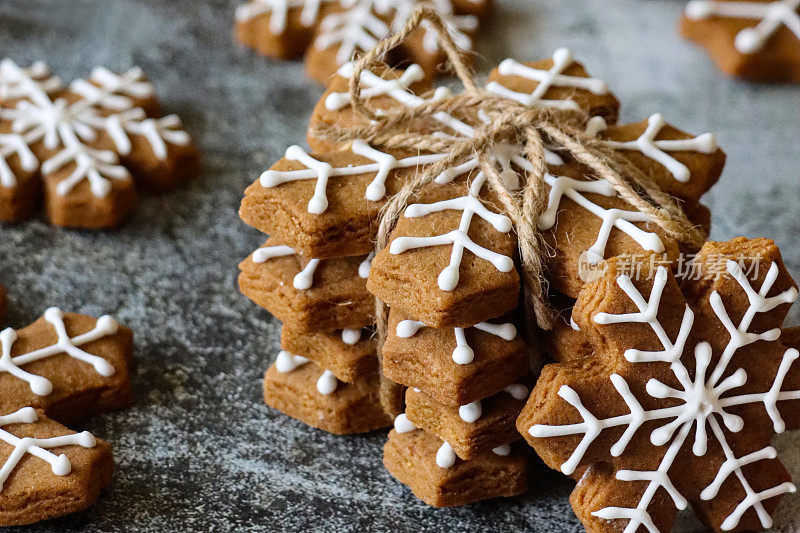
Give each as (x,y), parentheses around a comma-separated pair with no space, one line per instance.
(199,451)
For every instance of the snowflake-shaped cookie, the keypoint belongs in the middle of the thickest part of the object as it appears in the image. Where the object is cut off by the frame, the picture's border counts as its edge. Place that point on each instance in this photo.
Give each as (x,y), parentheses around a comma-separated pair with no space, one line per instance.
(82,147)
(330,32)
(754,39)
(681,397)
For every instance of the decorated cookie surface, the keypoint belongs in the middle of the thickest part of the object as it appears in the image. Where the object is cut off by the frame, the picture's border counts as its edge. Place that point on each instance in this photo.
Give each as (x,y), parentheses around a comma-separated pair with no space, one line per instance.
(330,32)
(63,367)
(681,396)
(753,39)
(84,149)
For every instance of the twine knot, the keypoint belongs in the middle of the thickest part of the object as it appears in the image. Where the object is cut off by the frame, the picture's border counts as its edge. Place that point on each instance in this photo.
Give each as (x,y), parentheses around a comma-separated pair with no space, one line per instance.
(496,121)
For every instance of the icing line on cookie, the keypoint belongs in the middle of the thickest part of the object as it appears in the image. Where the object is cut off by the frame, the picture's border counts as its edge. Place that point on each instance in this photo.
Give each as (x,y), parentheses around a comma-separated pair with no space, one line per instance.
(64,344)
(703,400)
(462,354)
(705,143)
(771,16)
(38,447)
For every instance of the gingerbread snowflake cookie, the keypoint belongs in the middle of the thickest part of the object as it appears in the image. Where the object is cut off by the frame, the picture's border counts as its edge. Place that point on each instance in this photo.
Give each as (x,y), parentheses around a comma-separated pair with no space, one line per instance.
(61,369)
(83,150)
(753,39)
(677,404)
(330,32)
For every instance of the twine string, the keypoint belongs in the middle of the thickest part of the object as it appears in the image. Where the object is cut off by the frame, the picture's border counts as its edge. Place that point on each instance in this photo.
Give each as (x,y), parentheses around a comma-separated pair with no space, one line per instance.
(416,129)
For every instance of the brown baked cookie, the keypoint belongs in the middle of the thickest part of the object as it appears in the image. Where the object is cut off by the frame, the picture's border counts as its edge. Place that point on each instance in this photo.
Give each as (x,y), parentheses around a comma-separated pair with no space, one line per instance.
(436,476)
(387,88)
(327,205)
(330,32)
(454,366)
(450,259)
(565,341)
(64,367)
(53,471)
(469,429)
(586,221)
(559,82)
(302,390)
(678,403)
(684,165)
(791,337)
(312,295)
(86,148)
(349,353)
(754,39)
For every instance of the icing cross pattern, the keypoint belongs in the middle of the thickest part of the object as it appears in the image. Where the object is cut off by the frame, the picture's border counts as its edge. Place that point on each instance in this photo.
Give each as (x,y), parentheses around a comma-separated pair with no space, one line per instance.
(304,279)
(67,127)
(703,401)
(554,77)
(462,354)
(771,16)
(59,464)
(469,205)
(64,345)
(358,28)
(657,150)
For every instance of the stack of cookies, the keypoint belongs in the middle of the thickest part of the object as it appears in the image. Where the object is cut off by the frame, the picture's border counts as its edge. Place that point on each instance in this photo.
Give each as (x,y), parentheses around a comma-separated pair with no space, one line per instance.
(312,273)
(326,373)
(449,271)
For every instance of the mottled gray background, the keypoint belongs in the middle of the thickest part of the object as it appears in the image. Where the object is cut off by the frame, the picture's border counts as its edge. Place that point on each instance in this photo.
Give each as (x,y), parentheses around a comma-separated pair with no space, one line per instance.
(199,450)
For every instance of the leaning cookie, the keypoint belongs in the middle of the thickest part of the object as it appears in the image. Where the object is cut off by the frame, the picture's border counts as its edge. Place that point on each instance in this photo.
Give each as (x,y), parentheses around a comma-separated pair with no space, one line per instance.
(63,367)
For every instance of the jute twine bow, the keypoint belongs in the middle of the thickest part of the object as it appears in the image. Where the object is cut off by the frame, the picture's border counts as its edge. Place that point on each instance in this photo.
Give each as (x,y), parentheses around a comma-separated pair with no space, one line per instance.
(415,128)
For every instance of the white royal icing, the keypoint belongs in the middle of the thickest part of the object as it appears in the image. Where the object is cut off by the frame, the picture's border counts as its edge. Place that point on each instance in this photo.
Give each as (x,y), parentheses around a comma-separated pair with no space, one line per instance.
(359,24)
(351,336)
(554,77)
(67,127)
(287,362)
(503,450)
(402,424)
(357,29)
(771,16)
(38,447)
(445,456)
(278,10)
(469,205)
(327,383)
(304,279)
(365,266)
(322,172)
(573,189)
(462,354)
(472,412)
(384,164)
(657,150)
(702,401)
(64,344)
